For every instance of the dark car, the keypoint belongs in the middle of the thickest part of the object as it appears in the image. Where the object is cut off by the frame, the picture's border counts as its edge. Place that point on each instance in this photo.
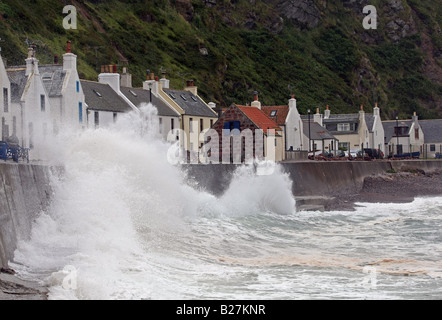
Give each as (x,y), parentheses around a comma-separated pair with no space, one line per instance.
(373,153)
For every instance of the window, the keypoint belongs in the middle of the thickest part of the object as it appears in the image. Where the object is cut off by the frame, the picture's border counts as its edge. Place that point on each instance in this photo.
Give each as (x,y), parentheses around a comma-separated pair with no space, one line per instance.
(80,112)
(432,147)
(190,124)
(273,113)
(183,97)
(201,125)
(133,93)
(172,124)
(343,126)
(115,115)
(211,123)
(78,86)
(5,99)
(344,146)
(97,93)
(160,125)
(231,125)
(42,103)
(96,119)
(416,134)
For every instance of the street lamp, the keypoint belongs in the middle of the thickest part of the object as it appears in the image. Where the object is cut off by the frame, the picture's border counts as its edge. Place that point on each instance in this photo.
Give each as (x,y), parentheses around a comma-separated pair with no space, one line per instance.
(397,135)
(309,141)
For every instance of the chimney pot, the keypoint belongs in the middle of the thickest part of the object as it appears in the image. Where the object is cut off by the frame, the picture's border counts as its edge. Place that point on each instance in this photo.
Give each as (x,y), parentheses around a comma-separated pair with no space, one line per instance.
(55,59)
(115,68)
(68,47)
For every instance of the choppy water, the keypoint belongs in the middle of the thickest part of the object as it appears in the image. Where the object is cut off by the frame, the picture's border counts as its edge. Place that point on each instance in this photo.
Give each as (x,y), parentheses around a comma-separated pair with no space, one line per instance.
(123,224)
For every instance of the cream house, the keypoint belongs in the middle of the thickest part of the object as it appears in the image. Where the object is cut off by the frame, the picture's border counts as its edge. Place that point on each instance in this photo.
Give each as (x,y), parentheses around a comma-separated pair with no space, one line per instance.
(403,136)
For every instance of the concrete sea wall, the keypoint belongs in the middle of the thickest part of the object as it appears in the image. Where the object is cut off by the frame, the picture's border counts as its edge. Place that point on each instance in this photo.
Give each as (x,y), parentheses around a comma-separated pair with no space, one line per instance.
(24,191)
(311,178)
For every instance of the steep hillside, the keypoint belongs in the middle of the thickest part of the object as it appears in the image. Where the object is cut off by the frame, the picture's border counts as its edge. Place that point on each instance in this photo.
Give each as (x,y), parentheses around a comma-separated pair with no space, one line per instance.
(316,49)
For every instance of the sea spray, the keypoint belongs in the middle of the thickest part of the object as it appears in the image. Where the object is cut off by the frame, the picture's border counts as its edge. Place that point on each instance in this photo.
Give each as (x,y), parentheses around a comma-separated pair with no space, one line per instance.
(120,199)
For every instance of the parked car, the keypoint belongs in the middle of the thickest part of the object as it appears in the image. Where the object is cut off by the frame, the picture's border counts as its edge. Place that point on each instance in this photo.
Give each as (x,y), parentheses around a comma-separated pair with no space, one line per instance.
(373,153)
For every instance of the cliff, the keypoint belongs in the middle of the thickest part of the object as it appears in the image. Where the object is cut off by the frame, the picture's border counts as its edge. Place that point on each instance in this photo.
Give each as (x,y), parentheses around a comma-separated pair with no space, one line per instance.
(317,49)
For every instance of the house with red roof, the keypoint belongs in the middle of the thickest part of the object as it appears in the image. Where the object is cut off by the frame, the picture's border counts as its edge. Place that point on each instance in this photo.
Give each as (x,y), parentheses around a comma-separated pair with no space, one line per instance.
(246,132)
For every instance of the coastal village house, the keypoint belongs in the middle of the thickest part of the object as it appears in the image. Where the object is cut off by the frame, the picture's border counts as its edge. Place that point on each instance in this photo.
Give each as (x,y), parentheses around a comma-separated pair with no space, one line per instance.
(403,136)
(103,104)
(196,115)
(289,120)
(37,100)
(246,132)
(317,136)
(356,131)
(168,117)
(29,116)
(432,130)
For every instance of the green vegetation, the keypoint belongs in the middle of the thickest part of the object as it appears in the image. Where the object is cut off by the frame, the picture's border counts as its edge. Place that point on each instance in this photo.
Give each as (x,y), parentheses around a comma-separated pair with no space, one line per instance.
(234,48)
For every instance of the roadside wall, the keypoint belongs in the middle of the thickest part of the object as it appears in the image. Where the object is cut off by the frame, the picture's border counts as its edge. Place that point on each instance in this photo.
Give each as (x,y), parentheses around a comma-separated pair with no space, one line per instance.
(310,178)
(24,192)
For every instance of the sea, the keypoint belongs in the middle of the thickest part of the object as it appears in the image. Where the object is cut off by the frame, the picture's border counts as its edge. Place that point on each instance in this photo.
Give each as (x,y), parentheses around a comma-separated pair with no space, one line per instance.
(124,223)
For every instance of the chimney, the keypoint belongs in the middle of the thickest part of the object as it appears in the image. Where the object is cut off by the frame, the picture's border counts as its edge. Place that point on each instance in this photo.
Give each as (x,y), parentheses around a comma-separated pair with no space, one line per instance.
(126,79)
(317,117)
(31,62)
(292,102)
(376,111)
(256,102)
(110,77)
(415,119)
(327,112)
(191,87)
(151,83)
(69,59)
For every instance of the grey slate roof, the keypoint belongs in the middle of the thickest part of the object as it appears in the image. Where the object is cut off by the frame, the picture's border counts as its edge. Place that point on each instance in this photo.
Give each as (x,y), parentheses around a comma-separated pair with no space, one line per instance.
(317,132)
(369,120)
(53,77)
(138,96)
(432,130)
(191,104)
(391,124)
(17,77)
(101,97)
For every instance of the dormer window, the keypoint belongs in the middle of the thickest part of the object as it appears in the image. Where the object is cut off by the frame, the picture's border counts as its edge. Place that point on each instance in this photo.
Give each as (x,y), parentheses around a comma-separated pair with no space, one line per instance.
(183,97)
(133,93)
(46,76)
(97,93)
(172,96)
(343,126)
(194,99)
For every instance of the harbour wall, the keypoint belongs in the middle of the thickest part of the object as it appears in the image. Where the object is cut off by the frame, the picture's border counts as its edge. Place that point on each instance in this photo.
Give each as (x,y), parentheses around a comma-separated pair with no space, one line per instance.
(25,189)
(311,178)
(24,192)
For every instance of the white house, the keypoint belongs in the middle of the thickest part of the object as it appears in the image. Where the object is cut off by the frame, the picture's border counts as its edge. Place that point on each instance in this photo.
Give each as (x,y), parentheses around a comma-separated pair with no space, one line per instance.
(66,95)
(350,129)
(9,115)
(432,130)
(168,117)
(103,104)
(403,136)
(31,105)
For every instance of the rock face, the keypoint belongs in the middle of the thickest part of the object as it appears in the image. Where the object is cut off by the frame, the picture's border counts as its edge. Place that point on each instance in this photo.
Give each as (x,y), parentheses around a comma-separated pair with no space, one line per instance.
(400,23)
(303,12)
